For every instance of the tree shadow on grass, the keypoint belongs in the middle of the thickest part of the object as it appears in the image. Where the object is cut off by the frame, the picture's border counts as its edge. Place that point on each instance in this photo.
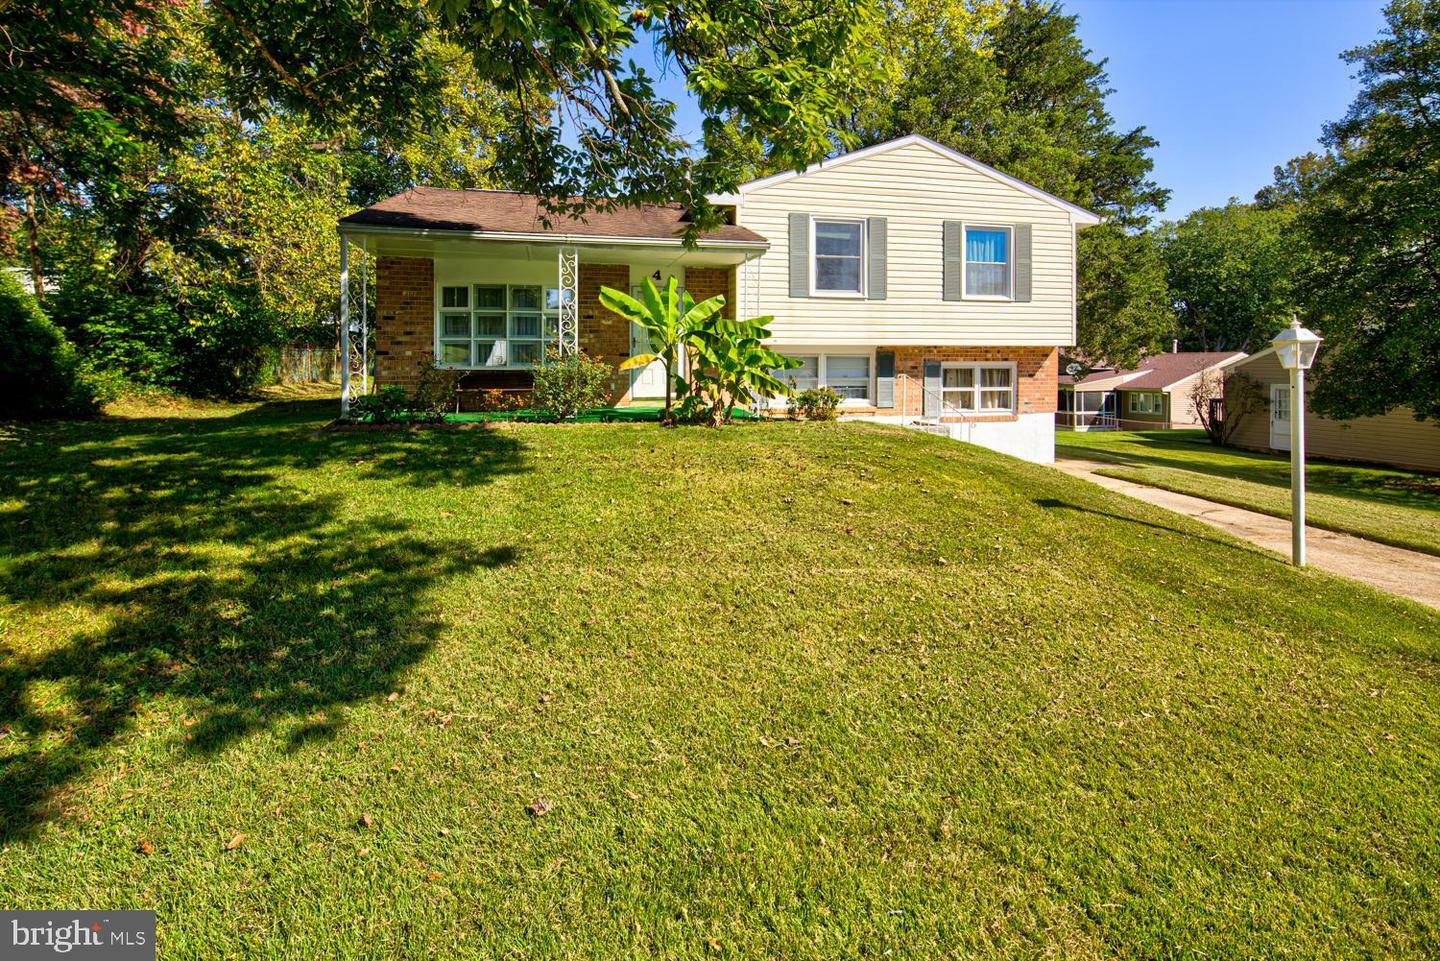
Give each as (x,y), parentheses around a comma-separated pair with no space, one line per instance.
(1054,503)
(207,573)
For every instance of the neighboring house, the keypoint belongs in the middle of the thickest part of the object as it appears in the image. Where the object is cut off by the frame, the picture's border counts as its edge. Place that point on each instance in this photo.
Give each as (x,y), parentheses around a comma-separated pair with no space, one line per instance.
(1156,395)
(1396,438)
(915,281)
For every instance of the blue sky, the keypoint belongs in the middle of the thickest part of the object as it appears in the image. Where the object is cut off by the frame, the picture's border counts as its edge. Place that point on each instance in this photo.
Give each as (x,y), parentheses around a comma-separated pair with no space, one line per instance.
(1230,88)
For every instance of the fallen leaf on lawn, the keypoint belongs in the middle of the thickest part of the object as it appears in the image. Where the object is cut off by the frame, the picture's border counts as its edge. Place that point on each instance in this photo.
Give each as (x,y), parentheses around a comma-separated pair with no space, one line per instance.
(235,842)
(433,876)
(145,847)
(392,696)
(394,769)
(366,822)
(538,808)
(362,852)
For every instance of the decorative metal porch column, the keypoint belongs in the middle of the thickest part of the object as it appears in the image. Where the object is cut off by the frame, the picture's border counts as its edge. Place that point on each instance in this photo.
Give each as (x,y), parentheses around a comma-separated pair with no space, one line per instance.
(344,326)
(568,334)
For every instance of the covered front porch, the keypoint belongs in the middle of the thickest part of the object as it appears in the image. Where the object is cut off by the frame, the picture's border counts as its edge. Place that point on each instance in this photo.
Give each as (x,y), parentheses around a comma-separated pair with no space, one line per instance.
(489,308)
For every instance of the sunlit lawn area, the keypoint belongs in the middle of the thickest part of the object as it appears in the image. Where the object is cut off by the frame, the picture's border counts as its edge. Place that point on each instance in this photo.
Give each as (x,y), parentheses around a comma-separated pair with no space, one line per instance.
(778,690)
(1391,506)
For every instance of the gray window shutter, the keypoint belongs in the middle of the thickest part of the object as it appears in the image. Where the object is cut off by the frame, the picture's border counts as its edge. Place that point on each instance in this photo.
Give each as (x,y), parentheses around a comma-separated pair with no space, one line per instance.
(950,254)
(799,255)
(884,378)
(932,388)
(875,233)
(1022,263)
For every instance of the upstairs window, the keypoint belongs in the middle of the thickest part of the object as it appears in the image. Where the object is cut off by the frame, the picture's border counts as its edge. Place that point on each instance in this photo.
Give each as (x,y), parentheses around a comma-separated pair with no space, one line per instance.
(839,259)
(987,262)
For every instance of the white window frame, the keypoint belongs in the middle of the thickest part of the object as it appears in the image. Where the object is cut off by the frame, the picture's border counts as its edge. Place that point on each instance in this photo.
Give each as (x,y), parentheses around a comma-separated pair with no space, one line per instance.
(1154,402)
(822,373)
(549,321)
(976,388)
(1009,231)
(869,399)
(859,294)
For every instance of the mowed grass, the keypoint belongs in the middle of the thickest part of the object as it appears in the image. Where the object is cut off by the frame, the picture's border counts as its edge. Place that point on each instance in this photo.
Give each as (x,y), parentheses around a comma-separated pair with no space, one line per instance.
(789,690)
(1382,504)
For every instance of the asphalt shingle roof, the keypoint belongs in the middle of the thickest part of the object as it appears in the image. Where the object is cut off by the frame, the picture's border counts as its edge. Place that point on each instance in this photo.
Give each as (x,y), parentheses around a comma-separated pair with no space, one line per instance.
(509,212)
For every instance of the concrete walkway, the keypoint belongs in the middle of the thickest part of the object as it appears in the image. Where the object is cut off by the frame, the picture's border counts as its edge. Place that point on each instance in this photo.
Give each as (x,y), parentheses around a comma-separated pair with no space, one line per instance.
(1394,569)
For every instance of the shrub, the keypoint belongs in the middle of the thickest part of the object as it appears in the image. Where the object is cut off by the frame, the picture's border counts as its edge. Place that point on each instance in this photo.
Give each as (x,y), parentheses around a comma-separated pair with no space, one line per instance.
(492,401)
(815,403)
(570,384)
(434,396)
(136,336)
(228,336)
(40,373)
(386,406)
(216,343)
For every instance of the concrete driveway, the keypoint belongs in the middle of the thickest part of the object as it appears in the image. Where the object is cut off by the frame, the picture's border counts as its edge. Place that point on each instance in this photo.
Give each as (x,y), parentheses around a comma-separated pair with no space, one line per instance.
(1397,570)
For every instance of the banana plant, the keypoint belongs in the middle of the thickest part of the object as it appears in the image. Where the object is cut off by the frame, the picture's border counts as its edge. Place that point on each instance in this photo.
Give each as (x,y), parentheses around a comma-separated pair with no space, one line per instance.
(669,317)
(733,366)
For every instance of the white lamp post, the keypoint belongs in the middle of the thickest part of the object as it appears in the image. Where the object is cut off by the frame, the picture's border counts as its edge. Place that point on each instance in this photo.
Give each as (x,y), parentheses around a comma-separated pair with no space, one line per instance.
(1295,347)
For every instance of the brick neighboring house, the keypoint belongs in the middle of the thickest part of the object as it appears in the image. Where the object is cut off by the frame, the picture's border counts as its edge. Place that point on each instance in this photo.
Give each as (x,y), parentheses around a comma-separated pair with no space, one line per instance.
(913,280)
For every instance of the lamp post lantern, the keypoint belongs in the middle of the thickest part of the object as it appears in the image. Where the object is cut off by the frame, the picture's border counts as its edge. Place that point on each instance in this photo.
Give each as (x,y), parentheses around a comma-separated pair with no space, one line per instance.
(1295,348)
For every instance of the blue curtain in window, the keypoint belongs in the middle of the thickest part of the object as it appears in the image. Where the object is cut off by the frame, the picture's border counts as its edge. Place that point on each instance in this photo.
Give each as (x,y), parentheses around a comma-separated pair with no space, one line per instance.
(985,246)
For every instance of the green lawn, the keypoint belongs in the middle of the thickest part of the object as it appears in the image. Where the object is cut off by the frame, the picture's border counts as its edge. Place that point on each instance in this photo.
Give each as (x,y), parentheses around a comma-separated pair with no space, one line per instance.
(1386,505)
(792,691)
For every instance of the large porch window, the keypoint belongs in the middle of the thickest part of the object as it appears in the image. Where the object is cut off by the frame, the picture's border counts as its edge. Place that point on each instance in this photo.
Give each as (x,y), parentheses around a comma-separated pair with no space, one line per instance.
(486,326)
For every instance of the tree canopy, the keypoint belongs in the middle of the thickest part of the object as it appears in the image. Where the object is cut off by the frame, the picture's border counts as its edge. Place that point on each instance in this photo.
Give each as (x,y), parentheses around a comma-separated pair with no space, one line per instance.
(1374,288)
(1012,85)
(1230,274)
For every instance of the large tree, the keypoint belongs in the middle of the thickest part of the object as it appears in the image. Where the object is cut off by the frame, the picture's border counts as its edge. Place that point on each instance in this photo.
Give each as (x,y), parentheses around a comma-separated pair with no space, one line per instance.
(582,118)
(1374,290)
(1230,273)
(85,82)
(1011,84)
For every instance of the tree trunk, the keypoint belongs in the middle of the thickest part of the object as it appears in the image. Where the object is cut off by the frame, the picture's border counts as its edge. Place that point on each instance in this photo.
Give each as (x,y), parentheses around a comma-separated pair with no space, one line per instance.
(32,233)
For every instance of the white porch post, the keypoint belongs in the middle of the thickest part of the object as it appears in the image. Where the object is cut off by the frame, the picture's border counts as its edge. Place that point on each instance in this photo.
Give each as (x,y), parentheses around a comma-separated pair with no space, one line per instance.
(568,267)
(344,326)
(364,320)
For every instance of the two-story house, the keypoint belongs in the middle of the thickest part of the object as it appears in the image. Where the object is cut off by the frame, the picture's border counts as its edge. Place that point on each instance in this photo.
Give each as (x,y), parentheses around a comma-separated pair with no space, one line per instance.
(913,280)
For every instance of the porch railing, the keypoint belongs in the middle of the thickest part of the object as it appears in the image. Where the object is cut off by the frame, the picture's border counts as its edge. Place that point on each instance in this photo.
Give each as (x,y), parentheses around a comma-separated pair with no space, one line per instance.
(1086,420)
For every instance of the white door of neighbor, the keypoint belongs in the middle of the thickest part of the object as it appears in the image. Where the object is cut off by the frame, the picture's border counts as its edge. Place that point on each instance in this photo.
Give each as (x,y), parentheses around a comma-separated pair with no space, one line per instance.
(1280,416)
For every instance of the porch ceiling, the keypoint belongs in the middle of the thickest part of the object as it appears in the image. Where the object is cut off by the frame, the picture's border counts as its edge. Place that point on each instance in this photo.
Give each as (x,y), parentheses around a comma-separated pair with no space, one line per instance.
(383,242)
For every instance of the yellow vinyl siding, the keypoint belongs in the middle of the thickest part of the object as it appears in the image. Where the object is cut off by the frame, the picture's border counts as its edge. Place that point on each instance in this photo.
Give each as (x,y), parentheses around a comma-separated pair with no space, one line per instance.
(916,189)
(1396,438)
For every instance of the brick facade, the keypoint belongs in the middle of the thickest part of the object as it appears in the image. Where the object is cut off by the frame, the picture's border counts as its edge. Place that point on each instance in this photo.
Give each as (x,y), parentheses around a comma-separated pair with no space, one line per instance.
(702,283)
(1037,374)
(605,335)
(404,319)
(405,335)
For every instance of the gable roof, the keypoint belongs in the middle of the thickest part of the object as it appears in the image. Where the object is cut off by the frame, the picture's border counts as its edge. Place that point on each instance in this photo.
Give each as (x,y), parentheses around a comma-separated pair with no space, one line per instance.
(510,214)
(1161,371)
(1082,216)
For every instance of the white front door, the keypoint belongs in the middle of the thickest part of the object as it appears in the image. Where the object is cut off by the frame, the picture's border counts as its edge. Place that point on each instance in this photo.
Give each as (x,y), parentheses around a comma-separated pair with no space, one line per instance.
(648,382)
(1280,416)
